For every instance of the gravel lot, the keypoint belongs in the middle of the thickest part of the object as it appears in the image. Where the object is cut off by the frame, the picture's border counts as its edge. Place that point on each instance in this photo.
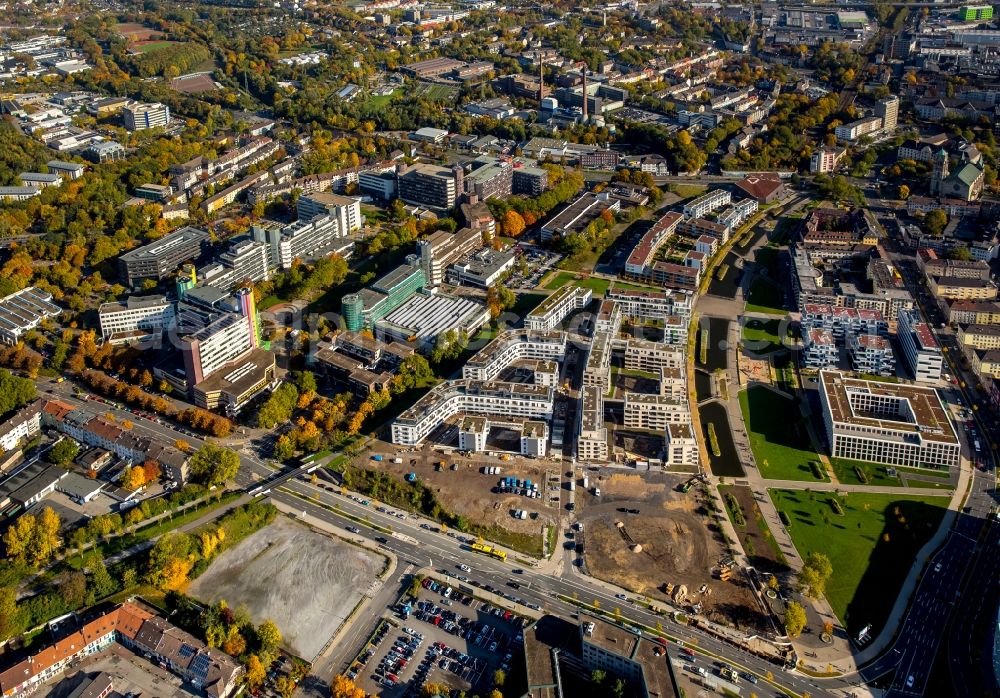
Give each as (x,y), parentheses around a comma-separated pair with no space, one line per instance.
(304,581)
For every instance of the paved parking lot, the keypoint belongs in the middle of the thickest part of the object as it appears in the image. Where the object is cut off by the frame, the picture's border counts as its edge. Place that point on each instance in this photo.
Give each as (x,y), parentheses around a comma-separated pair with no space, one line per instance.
(442,637)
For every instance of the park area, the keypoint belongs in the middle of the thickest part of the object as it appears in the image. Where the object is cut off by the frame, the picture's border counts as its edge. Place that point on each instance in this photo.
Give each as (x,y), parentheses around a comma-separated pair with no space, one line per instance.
(870,539)
(597,285)
(765,336)
(330,578)
(779,437)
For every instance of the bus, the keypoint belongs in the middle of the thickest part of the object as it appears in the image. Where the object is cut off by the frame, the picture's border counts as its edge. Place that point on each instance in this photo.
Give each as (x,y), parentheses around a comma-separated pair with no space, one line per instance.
(488,550)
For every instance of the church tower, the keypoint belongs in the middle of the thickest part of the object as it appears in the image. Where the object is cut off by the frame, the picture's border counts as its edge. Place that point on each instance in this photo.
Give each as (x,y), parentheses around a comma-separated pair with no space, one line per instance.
(940,172)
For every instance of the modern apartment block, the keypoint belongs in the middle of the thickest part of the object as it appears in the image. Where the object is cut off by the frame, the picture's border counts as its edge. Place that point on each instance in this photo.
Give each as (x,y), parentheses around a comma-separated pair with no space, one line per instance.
(671,308)
(920,348)
(620,651)
(681,445)
(550,313)
(654,412)
(302,239)
(138,117)
(642,255)
(826,159)
(871,354)
(889,423)
(491,399)
(706,203)
(511,346)
(159,259)
(597,369)
(820,349)
(859,128)
(592,435)
(137,318)
(430,185)
(651,357)
(843,321)
(346,210)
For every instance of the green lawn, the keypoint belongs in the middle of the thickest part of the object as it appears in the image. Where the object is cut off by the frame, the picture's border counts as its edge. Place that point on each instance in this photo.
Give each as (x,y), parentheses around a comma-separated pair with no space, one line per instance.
(686,191)
(625,286)
(598,286)
(876,474)
(778,436)
(871,546)
(765,297)
(761,336)
(153,46)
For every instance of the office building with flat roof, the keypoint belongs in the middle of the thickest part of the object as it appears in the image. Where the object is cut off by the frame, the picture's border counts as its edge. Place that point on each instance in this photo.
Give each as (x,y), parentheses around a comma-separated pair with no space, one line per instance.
(619,651)
(888,423)
(424,317)
(142,116)
(441,249)
(550,313)
(159,259)
(24,310)
(430,185)
(345,209)
(921,350)
(137,318)
(303,239)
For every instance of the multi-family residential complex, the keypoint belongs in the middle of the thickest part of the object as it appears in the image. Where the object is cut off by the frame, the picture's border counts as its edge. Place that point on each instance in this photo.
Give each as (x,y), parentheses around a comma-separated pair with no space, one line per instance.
(641,355)
(24,310)
(706,203)
(920,349)
(641,258)
(979,336)
(550,313)
(820,349)
(826,159)
(843,321)
(159,259)
(597,369)
(137,318)
(654,412)
(888,423)
(871,354)
(511,346)
(490,399)
(592,435)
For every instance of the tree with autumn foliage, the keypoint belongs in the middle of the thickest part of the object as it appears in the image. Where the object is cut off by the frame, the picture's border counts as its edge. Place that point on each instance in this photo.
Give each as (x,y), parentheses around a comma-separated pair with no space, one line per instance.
(170,561)
(133,478)
(256,671)
(513,224)
(343,687)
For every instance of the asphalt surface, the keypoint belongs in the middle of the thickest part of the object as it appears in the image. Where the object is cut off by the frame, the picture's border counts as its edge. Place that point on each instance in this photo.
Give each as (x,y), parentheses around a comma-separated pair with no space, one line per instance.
(418,547)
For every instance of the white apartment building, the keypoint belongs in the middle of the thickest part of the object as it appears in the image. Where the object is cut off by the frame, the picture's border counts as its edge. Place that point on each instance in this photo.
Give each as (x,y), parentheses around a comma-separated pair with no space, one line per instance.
(641,355)
(299,240)
(608,318)
(820,350)
(597,370)
(681,445)
(345,209)
(511,346)
(139,116)
(889,423)
(592,435)
(492,400)
(920,348)
(825,159)
(134,317)
(654,412)
(553,310)
(23,425)
(706,203)
(738,214)
(859,128)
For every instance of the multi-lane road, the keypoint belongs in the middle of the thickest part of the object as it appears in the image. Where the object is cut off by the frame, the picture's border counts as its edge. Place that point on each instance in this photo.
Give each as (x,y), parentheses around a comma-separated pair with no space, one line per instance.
(417,547)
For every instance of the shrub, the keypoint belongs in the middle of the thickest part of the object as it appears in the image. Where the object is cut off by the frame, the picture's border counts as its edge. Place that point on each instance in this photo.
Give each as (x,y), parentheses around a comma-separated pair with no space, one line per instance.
(784,518)
(862,475)
(814,467)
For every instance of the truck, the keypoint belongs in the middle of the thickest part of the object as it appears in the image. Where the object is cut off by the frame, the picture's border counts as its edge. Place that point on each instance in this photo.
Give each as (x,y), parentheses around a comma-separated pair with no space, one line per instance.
(397,460)
(597,491)
(586,482)
(572,485)
(377,458)
(411,477)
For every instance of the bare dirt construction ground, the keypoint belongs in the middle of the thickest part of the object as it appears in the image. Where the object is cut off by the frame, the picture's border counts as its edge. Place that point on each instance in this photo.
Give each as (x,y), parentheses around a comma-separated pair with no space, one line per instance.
(137,32)
(679,545)
(329,576)
(468,492)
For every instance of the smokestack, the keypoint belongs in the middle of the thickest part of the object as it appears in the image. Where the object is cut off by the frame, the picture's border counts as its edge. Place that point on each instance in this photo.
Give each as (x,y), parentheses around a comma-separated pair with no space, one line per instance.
(584,93)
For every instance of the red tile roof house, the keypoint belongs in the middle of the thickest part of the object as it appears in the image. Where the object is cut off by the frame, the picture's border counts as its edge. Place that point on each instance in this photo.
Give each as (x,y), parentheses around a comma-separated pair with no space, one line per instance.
(143,632)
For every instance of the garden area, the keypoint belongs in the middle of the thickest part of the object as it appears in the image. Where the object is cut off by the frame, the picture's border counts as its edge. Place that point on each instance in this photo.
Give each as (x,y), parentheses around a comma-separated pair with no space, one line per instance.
(765,297)
(778,436)
(764,336)
(870,539)
(598,286)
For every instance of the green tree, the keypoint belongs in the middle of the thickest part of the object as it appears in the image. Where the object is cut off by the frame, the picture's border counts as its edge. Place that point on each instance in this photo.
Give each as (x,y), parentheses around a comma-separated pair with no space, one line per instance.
(795,619)
(935,221)
(814,575)
(268,636)
(499,676)
(214,465)
(597,676)
(8,611)
(256,671)
(63,452)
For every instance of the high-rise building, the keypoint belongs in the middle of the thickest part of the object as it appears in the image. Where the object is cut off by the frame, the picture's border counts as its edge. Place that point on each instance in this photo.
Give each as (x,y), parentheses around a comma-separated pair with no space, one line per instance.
(920,348)
(430,185)
(825,159)
(302,239)
(142,116)
(888,110)
(441,249)
(159,259)
(345,209)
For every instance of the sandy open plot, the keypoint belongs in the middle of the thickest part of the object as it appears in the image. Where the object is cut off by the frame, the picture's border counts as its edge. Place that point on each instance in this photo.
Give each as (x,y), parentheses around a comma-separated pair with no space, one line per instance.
(304,581)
